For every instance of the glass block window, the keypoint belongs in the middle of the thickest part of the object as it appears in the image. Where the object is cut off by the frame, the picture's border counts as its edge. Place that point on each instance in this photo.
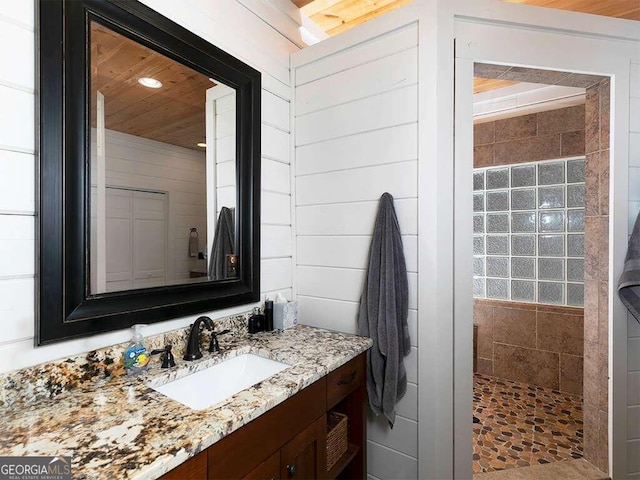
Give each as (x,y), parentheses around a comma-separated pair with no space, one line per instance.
(528,227)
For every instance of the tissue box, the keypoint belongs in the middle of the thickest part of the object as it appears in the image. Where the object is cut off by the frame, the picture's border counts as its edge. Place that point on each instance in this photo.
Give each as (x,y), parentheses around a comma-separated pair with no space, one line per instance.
(285,315)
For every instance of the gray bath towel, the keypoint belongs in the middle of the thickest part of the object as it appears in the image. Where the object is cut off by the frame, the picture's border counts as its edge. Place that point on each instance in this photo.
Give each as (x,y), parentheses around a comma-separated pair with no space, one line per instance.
(384,306)
(629,284)
(222,245)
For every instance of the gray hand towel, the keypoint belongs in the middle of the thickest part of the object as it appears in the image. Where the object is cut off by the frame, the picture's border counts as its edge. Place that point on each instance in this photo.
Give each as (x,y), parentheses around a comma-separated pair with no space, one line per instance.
(223,245)
(384,307)
(629,284)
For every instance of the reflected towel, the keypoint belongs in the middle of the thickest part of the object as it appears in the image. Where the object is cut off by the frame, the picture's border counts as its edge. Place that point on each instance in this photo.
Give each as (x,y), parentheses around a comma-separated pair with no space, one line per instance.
(384,306)
(629,283)
(222,245)
(194,243)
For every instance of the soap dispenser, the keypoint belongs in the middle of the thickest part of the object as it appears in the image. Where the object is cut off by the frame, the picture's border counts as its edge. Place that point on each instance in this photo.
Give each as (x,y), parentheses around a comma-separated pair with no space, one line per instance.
(256,321)
(136,357)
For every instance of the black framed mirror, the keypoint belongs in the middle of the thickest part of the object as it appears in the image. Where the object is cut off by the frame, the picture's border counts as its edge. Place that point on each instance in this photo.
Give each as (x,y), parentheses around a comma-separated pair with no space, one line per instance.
(149,171)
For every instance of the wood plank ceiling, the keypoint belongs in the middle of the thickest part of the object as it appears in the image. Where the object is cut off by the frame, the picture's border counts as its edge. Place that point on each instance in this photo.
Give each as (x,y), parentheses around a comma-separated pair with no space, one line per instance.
(629,9)
(486,84)
(173,114)
(336,16)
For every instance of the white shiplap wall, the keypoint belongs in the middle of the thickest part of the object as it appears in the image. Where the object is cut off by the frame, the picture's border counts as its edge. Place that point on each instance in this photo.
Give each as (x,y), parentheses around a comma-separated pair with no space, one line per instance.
(229,24)
(355,138)
(633,332)
(139,163)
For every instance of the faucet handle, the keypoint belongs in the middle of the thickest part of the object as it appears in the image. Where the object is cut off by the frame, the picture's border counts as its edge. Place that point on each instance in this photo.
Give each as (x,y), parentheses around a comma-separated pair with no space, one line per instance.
(167,358)
(214,346)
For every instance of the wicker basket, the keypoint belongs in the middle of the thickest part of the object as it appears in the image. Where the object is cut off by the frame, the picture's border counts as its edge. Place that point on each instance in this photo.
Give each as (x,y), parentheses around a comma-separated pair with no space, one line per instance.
(336,437)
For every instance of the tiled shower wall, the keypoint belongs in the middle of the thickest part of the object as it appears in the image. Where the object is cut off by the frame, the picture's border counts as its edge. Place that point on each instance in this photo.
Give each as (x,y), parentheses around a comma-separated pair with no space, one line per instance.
(529,232)
(518,339)
(532,343)
(596,272)
(558,133)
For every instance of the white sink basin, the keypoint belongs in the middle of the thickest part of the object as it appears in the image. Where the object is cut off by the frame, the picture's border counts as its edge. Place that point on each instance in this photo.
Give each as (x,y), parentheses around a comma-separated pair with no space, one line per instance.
(212,385)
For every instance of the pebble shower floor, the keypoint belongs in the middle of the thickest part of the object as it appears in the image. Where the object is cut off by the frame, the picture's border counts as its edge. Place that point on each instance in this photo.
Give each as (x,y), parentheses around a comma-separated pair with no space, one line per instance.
(522,425)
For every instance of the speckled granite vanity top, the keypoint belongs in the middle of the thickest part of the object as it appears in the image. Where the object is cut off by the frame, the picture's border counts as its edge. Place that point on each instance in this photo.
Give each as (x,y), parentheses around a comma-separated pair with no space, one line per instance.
(118,427)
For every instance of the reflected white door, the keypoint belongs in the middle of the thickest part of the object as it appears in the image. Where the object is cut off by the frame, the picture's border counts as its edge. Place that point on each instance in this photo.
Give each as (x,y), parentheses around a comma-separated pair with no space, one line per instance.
(136,239)
(119,236)
(149,239)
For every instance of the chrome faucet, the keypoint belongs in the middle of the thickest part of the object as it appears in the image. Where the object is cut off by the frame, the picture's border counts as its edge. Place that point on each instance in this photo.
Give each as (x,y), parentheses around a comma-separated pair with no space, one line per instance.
(193,344)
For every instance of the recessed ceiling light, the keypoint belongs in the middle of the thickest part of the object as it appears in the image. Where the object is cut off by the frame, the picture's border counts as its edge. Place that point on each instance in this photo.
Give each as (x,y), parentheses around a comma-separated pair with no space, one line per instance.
(201,145)
(150,82)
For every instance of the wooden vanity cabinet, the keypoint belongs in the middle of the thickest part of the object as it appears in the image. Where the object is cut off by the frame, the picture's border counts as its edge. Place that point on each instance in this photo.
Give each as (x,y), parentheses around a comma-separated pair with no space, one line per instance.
(238,454)
(269,469)
(289,441)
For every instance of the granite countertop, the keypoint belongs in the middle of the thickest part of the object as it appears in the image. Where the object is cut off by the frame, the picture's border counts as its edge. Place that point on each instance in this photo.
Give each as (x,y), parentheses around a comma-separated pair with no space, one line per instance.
(118,427)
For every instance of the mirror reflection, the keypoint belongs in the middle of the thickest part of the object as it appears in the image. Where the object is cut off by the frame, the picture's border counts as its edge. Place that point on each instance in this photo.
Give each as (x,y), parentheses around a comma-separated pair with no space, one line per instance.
(163,170)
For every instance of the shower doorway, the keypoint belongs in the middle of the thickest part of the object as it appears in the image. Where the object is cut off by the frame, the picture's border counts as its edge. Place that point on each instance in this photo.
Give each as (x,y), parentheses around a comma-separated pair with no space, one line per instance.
(528,267)
(540,203)
(546,295)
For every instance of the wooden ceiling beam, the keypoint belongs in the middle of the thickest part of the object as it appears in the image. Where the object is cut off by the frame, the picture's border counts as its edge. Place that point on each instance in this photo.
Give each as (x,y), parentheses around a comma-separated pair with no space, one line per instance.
(317,6)
(301,3)
(335,16)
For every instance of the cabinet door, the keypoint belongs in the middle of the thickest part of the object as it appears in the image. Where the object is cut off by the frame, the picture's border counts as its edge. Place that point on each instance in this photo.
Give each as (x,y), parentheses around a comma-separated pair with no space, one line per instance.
(305,457)
(267,470)
(193,469)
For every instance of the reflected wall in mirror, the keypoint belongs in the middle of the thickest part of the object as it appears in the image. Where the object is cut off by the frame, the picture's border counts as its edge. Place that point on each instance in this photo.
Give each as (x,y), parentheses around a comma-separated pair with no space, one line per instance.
(163,169)
(149,171)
